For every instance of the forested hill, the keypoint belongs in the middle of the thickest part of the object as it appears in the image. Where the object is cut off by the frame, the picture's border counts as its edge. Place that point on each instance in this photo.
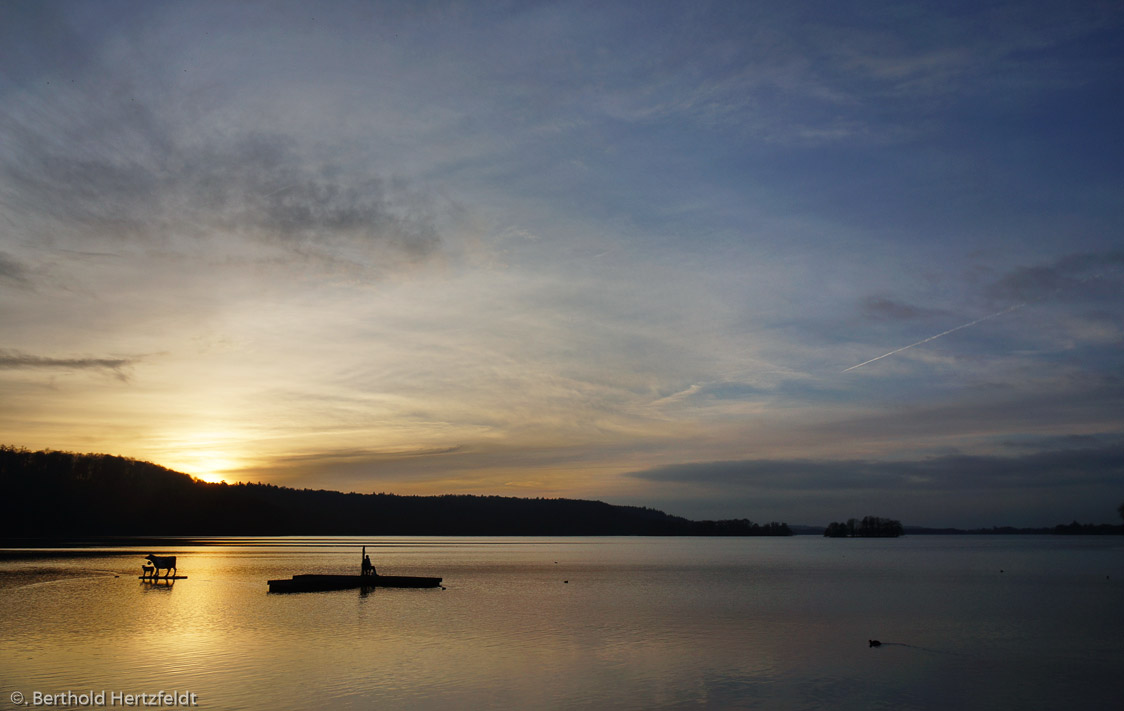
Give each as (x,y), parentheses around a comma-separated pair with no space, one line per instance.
(59,494)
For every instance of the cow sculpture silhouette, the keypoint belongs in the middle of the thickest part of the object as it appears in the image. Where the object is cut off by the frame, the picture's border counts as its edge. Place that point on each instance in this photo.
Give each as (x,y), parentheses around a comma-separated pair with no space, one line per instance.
(166,563)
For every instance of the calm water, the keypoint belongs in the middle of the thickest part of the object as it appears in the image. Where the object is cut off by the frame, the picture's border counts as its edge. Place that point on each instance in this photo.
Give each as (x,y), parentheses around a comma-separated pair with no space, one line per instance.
(642,624)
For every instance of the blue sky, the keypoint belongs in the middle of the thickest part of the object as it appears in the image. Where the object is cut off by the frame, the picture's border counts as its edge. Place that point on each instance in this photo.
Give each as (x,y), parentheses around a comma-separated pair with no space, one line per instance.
(627,251)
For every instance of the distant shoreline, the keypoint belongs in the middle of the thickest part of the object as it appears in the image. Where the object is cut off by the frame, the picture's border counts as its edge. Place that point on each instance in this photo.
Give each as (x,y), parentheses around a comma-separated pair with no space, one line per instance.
(60,496)
(62,499)
(44,547)
(1101,529)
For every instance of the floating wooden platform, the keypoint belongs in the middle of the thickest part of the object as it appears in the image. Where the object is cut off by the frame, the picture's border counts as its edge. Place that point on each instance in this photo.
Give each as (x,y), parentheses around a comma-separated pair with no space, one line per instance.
(315,583)
(159,578)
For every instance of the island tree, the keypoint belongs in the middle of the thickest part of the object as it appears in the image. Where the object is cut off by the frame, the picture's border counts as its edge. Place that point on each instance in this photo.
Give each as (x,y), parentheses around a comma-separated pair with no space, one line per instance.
(868,527)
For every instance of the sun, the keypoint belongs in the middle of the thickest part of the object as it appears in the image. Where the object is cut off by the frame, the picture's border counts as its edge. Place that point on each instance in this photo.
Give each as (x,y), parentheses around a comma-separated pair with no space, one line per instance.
(211,467)
(207,455)
(211,478)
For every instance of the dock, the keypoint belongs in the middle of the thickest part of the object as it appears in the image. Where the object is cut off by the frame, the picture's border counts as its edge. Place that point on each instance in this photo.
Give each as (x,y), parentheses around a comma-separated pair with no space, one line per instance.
(318,583)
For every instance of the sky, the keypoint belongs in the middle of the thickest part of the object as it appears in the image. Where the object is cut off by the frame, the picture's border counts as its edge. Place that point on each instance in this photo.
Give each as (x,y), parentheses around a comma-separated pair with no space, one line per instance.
(798,262)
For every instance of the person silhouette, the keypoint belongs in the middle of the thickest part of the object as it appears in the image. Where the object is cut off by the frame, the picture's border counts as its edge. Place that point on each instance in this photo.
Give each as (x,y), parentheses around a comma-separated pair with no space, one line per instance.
(367,568)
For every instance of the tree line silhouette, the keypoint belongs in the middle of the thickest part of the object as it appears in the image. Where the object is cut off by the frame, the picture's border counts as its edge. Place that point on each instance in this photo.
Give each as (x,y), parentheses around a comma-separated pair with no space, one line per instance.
(1085,529)
(868,527)
(51,494)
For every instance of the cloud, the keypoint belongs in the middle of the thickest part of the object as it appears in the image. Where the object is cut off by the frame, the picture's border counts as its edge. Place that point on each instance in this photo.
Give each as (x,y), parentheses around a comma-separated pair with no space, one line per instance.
(886,309)
(12,270)
(1074,479)
(1071,276)
(730,391)
(1100,465)
(158,187)
(1074,299)
(1058,442)
(10,360)
(333,458)
(101,146)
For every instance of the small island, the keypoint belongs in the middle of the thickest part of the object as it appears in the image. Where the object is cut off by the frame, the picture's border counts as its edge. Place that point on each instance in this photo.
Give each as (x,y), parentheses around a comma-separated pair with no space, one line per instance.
(868,527)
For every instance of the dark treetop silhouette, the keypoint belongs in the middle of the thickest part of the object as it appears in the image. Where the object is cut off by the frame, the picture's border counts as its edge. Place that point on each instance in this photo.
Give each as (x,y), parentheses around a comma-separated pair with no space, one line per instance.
(869,527)
(60,494)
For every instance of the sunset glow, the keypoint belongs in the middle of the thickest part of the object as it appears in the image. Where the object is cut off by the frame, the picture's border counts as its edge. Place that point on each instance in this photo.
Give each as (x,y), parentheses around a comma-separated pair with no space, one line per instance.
(715,259)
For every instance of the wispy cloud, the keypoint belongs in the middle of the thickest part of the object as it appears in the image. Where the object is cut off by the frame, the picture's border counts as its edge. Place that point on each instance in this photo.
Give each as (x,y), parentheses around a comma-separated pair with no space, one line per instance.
(145,183)
(1074,276)
(10,360)
(884,308)
(12,270)
(1082,278)
(99,148)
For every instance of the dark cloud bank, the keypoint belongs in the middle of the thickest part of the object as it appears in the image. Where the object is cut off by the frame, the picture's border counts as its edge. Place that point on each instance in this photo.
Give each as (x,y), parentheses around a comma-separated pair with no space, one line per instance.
(1059,484)
(1096,465)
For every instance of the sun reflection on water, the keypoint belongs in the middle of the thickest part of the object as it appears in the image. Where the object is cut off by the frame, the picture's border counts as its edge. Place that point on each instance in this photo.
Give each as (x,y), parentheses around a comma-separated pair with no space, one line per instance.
(655,623)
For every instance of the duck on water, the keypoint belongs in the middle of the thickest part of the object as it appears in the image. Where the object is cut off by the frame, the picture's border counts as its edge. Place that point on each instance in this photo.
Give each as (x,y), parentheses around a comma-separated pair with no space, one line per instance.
(367,578)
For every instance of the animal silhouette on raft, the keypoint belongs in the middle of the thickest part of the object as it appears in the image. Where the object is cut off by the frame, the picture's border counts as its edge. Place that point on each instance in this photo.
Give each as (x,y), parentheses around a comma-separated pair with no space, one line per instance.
(166,563)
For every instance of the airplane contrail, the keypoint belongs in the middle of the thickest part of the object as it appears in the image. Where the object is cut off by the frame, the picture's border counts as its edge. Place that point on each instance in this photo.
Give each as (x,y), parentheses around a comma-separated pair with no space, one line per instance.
(1007,310)
(279,190)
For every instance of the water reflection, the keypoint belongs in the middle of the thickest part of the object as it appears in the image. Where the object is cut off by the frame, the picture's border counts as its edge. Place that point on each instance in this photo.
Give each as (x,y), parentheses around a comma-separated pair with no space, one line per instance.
(642,623)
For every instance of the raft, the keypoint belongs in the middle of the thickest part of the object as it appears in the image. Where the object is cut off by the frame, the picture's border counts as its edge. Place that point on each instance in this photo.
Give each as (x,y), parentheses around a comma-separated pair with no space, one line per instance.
(317,583)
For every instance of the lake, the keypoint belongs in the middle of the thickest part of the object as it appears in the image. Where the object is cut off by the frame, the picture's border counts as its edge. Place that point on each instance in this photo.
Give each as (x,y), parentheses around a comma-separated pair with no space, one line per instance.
(967,622)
